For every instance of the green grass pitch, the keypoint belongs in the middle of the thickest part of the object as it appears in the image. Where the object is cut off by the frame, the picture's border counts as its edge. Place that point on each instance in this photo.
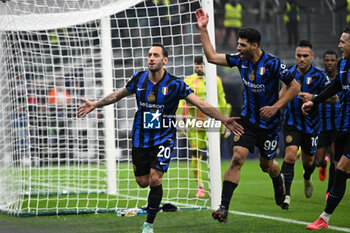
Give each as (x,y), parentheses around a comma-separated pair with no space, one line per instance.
(254,195)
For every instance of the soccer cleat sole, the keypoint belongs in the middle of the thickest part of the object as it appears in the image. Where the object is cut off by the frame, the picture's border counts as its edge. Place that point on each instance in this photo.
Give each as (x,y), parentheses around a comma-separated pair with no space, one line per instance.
(219,217)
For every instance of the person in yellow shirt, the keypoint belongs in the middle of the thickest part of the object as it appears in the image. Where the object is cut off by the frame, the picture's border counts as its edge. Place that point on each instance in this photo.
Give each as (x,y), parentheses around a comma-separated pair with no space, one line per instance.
(232,21)
(197,137)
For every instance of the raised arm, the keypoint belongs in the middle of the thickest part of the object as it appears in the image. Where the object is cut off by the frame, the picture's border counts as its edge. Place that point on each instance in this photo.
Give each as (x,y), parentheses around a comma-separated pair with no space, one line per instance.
(109,99)
(210,53)
(209,110)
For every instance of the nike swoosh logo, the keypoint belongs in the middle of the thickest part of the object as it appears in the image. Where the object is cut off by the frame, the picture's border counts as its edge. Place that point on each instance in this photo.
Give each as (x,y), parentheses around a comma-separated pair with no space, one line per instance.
(163,164)
(243,66)
(343,71)
(140,89)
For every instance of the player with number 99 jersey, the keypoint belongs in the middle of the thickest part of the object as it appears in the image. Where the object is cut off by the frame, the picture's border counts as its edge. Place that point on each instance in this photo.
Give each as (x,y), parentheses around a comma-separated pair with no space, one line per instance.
(261,82)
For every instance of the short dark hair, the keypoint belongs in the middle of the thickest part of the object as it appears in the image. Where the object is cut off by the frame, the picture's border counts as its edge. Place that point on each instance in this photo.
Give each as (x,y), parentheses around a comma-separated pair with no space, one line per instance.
(164,51)
(331,52)
(346,30)
(198,59)
(305,43)
(252,35)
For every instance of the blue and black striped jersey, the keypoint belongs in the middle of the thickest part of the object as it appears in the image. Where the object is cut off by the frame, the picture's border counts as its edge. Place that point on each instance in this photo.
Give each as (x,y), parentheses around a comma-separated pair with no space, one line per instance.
(330,116)
(344,78)
(313,82)
(261,86)
(157,105)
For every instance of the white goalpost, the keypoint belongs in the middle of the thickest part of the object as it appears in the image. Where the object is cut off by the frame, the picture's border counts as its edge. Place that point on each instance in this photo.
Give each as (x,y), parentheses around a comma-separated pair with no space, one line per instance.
(52,54)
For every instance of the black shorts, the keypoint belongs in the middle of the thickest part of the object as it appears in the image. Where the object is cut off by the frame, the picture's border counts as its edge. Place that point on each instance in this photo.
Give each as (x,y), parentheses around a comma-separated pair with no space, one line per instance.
(294,137)
(266,140)
(157,157)
(326,138)
(342,145)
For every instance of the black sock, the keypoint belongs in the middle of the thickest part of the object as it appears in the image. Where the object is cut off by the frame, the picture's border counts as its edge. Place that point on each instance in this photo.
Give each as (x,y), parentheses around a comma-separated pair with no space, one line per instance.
(227,191)
(308,171)
(331,177)
(288,172)
(154,198)
(276,180)
(337,191)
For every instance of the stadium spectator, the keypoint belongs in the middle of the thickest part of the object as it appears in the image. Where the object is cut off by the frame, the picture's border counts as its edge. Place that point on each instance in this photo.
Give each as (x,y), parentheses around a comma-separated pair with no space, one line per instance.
(342,146)
(57,39)
(342,10)
(232,21)
(158,93)
(291,18)
(197,137)
(329,121)
(299,130)
(260,73)
(264,11)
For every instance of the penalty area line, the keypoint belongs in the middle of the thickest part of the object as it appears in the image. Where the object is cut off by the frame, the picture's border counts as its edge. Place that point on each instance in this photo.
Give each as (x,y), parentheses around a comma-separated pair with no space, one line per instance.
(343,229)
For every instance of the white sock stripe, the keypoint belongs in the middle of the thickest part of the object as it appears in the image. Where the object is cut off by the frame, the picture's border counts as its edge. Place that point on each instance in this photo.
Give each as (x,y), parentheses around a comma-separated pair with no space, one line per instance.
(343,229)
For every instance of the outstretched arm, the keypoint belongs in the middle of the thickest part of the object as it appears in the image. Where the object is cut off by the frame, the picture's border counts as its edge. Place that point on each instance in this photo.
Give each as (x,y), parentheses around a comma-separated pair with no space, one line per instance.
(286,95)
(210,53)
(109,99)
(332,89)
(209,110)
(307,97)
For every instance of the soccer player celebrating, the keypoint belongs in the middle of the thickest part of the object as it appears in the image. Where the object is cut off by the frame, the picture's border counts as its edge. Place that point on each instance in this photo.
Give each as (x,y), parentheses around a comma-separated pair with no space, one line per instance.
(260,73)
(299,130)
(197,137)
(342,145)
(157,93)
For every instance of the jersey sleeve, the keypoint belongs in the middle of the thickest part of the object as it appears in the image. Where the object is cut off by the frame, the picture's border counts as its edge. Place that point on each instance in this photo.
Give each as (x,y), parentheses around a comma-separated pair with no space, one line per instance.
(184,90)
(283,72)
(131,85)
(325,81)
(233,59)
(182,104)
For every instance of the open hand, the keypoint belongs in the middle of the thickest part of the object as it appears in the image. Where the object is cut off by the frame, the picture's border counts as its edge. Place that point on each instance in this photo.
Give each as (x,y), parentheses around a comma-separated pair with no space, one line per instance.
(267,112)
(86,108)
(202,18)
(232,125)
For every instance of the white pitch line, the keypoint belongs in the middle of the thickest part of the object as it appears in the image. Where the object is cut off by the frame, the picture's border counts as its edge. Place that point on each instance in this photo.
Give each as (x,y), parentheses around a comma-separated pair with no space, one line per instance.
(343,229)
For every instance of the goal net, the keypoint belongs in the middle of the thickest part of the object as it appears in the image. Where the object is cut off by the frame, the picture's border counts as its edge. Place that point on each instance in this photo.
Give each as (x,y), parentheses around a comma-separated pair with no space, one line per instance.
(52,54)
